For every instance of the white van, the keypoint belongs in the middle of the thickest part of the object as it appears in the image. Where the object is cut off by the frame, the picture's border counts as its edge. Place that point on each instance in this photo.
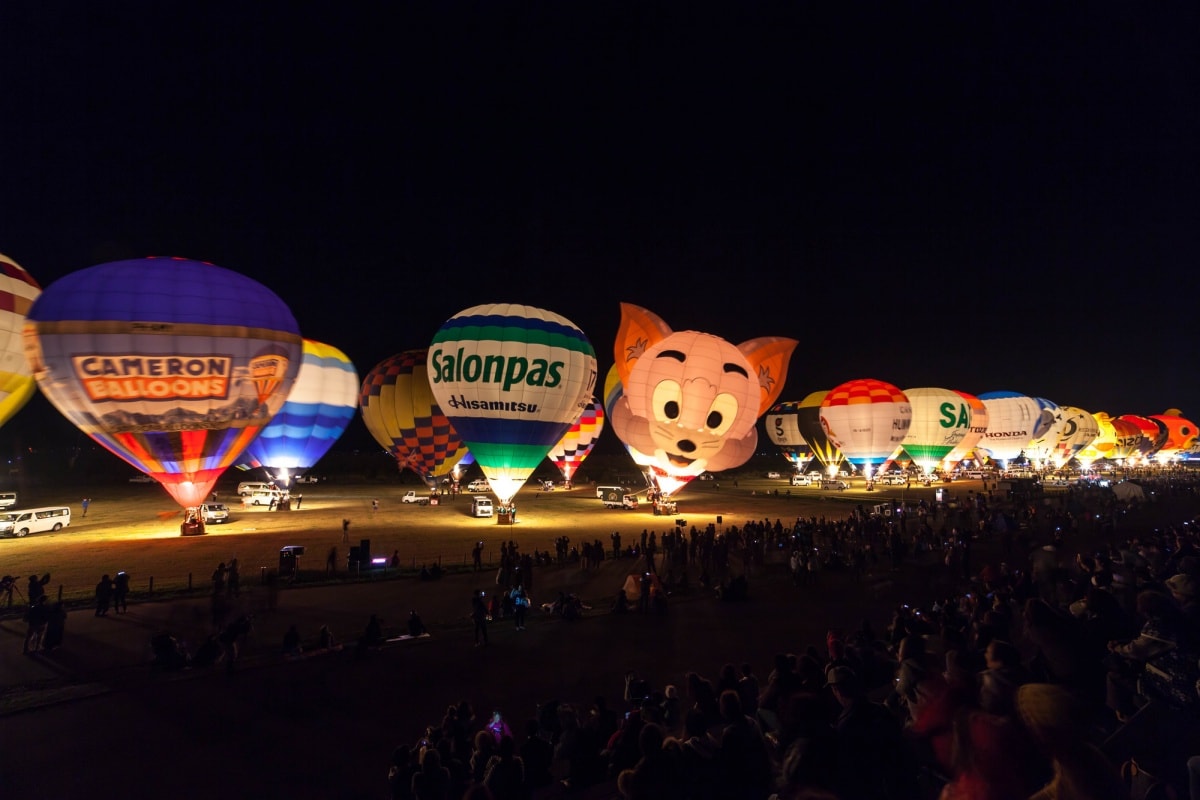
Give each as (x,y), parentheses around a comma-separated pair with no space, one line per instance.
(802,479)
(214,513)
(8,499)
(265,497)
(481,506)
(35,520)
(248,488)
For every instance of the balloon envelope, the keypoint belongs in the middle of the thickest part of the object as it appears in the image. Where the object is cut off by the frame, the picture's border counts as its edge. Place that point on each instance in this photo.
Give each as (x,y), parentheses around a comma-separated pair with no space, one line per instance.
(808,420)
(18,290)
(782,424)
(979,422)
(578,441)
(401,414)
(1079,430)
(867,419)
(173,365)
(1014,420)
(941,419)
(512,379)
(1181,434)
(318,409)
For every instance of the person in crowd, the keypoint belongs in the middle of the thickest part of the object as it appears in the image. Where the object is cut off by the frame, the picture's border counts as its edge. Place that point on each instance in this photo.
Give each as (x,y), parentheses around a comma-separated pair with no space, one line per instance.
(121,592)
(504,775)
(291,641)
(104,594)
(537,755)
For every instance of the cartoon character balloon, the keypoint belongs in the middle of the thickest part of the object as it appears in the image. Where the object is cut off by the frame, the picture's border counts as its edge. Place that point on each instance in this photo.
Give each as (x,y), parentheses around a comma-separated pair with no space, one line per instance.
(578,441)
(691,400)
(318,409)
(401,414)
(782,424)
(18,290)
(1181,435)
(173,365)
(512,379)
(941,419)
(867,419)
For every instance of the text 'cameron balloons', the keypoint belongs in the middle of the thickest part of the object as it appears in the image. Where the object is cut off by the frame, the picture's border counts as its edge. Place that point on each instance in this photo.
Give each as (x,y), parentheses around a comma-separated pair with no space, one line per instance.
(173,365)
(941,419)
(401,414)
(867,419)
(691,400)
(578,441)
(782,424)
(318,409)
(512,379)
(18,290)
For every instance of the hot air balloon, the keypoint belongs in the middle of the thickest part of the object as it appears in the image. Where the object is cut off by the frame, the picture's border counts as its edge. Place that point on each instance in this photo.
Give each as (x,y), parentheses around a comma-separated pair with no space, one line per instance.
(512,379)
(1116,441)
(867,419)
(173,365)
(941,419)
(1042,446)
(808,420)
(1181,435)
(1014,420)
(691,400)
(18,290)
(578,441)
(401,414)
(1154,434)
(664,480)
(1079,430)
(979,422)
(783,429)
(318,409)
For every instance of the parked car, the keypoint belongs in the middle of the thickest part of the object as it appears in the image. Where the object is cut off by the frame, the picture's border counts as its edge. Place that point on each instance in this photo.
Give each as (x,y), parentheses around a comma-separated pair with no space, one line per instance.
(774,475)
(214,513)
(479,485)
(835,483)
(892,479)
(266,497)
(803,480)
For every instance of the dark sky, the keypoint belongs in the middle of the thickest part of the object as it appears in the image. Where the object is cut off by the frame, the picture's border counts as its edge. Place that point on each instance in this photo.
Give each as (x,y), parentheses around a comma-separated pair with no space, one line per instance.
(961,196)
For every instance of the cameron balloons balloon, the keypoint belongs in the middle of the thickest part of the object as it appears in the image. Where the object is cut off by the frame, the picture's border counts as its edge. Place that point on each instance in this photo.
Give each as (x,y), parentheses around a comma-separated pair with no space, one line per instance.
(512,379)
(578,441)
(399,410)
(867,419)
(18,290)
(691,400)
(318,409)
(173,365)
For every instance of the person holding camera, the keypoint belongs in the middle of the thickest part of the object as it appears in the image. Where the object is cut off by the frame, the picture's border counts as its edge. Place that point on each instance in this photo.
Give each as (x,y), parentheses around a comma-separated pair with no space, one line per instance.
(479,615)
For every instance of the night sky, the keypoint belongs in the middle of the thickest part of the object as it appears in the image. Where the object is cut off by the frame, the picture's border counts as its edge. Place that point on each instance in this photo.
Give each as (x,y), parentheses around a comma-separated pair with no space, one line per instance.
(980,198)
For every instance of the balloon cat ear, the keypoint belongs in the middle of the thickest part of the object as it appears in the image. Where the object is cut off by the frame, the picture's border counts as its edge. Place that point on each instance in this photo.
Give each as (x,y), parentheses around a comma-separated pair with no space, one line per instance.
(769,356)
(640,329)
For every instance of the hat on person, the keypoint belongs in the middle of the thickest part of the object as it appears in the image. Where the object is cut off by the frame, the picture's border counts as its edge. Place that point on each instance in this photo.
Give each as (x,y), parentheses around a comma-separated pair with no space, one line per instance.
(840,676)
(1050,713)
(1182,584)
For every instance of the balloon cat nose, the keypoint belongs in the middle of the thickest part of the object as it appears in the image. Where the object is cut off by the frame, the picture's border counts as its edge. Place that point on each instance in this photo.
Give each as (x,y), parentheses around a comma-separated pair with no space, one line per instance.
(686,445)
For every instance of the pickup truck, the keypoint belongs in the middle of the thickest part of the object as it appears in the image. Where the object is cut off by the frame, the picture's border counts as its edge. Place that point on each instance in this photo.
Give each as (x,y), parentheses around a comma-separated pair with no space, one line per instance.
(412,497)
(627,501)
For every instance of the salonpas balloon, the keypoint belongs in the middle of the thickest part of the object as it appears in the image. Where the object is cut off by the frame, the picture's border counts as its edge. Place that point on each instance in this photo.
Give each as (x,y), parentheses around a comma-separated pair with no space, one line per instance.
(941,419)
(512,379)
(173,365)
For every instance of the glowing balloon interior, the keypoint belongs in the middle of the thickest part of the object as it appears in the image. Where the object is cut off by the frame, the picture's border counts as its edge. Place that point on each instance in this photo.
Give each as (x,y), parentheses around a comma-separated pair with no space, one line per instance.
(512,379)
(318,409)
(401,414)
(173,365)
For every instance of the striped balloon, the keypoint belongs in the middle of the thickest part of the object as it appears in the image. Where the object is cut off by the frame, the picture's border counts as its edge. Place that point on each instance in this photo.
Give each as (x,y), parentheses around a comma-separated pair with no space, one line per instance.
(512,378)
(867,420)
(18,290)
(318,409)
(578,441)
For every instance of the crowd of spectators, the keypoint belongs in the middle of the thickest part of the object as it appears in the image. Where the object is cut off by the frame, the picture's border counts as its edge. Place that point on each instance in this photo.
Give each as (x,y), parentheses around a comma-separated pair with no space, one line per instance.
(1015,682)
